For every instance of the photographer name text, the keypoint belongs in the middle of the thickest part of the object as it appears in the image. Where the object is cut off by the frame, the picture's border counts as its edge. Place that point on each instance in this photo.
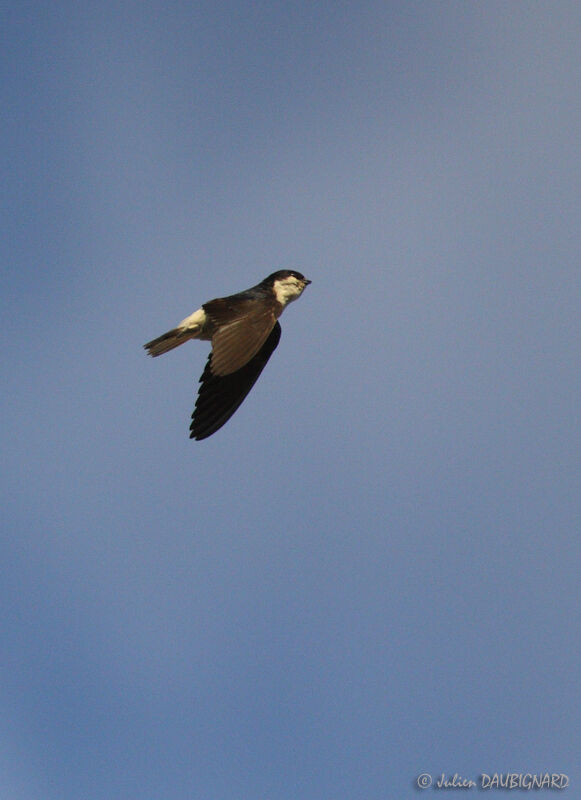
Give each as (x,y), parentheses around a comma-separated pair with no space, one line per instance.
(498,780)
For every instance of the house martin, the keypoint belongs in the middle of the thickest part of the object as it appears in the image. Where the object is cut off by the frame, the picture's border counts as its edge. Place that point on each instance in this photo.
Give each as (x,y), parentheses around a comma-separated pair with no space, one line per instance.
(244,331)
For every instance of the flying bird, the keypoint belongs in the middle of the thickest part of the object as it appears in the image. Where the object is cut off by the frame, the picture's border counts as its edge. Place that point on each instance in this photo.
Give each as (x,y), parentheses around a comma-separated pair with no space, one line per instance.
(244,331)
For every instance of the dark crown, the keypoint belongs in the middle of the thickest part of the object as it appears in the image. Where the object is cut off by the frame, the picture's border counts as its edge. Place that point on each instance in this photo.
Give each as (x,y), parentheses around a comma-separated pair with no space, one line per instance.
(281,274)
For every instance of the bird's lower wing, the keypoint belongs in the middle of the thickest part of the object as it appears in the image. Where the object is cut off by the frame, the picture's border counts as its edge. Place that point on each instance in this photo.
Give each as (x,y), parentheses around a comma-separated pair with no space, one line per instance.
(221,395)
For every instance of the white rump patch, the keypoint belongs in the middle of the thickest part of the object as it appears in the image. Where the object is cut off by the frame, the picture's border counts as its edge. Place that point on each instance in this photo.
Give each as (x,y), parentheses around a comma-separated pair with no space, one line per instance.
(195,322)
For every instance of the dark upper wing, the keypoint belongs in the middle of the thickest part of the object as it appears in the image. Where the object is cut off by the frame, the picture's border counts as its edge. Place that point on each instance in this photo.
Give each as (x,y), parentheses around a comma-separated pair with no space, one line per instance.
(241,328)
(220,396)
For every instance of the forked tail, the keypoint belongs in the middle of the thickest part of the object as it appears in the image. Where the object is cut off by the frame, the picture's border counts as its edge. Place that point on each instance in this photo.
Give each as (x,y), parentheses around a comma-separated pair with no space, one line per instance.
(166,342)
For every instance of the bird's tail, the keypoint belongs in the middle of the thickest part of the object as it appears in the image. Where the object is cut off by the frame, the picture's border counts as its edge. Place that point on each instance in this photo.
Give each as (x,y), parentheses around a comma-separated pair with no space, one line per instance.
(192,327)
(166,342)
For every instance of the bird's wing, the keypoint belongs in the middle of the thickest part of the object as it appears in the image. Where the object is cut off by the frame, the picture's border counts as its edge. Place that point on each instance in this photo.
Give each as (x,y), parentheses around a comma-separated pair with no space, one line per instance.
(240,331)
(221,395)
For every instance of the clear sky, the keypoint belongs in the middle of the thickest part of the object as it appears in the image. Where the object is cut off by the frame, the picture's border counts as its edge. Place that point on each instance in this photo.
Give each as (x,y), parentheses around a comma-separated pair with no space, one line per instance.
(373,570)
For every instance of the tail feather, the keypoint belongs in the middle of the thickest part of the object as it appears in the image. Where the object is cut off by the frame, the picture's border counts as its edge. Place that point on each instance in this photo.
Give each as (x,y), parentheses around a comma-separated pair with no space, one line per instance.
(166,342)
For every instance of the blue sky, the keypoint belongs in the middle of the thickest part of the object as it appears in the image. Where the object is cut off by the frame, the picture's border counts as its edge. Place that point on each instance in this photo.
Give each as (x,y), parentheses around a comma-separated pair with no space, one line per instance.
(373,570)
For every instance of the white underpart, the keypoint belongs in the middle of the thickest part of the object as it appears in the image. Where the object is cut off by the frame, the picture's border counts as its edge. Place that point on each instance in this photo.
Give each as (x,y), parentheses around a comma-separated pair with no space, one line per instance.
(288,289)
(195,322)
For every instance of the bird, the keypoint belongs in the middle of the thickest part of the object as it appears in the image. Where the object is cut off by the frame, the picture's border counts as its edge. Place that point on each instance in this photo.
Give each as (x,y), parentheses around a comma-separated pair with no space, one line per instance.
(244,331)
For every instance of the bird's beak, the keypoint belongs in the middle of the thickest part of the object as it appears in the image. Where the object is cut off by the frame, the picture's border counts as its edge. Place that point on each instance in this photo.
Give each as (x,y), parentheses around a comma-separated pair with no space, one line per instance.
(307,281)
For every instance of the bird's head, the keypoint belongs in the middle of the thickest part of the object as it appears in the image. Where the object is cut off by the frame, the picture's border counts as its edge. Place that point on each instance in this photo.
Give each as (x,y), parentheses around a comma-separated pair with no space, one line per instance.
(287,285)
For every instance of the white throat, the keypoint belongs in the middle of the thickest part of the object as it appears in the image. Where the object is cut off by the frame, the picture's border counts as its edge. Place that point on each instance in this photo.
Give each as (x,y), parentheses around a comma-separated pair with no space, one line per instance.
(287,290)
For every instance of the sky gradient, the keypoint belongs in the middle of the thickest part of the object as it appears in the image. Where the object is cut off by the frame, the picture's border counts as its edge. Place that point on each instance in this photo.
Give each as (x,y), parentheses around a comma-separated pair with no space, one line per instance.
(372,571)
